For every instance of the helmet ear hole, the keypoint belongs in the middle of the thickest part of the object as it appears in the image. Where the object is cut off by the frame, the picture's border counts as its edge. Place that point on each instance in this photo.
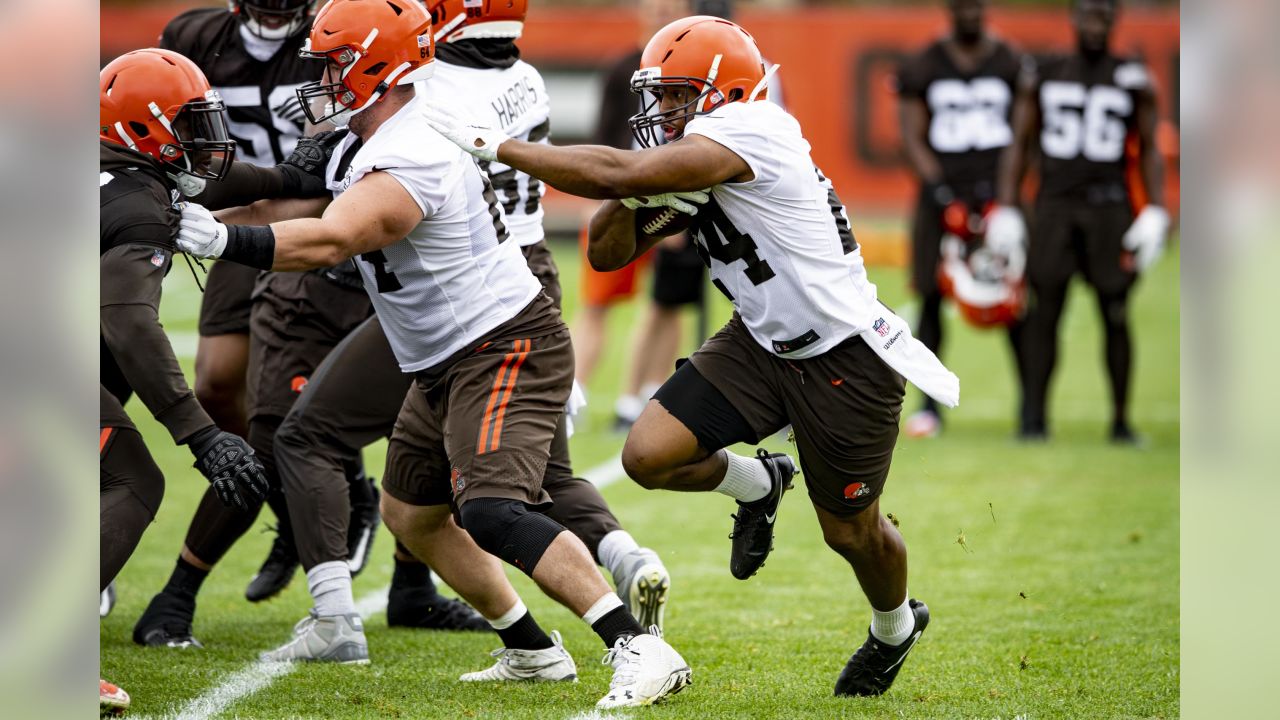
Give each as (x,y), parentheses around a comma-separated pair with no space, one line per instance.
(375,69)
(139,129)
(735,94)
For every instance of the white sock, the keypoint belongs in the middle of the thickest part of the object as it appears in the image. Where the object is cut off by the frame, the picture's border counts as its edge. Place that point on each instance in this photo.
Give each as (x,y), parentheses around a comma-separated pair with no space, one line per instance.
(509,618)
(605,605)
(614,547)
(330,586)
(893,627)
(629,407)
(745,479)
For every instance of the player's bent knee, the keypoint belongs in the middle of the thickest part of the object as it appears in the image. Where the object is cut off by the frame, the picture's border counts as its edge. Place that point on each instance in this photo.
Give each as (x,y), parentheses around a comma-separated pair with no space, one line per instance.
(643,466)
(506,529)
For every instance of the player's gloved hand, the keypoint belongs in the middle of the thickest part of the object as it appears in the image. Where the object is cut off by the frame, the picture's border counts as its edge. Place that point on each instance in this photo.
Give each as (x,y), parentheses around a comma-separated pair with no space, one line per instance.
(1145,238)
(482,142)
(231,467)
(1006,232)
(303,170)
(199,233)
(685,202)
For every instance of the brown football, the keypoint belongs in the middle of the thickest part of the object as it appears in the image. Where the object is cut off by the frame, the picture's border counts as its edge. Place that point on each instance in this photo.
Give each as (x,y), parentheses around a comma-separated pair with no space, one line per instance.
(662,221)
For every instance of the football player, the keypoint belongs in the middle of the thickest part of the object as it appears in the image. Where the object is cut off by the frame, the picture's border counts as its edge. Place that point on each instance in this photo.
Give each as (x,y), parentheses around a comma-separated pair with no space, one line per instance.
(353,399)
(491,358)
(956,97)
(1082,109)
(249,52)
(161,127)
(808,345)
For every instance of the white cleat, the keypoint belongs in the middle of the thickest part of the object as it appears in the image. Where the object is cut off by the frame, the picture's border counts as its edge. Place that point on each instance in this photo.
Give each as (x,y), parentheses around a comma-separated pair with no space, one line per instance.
(553,664)
(337,638)
(645,670)
(643,583)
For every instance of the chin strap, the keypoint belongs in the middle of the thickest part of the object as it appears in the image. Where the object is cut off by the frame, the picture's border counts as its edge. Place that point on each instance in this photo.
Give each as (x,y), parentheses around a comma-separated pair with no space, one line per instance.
(764,82)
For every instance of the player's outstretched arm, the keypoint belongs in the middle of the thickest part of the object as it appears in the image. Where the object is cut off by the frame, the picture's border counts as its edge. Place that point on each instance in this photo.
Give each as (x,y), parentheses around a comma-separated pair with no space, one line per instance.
(376,212)
(600,172)
(265,212)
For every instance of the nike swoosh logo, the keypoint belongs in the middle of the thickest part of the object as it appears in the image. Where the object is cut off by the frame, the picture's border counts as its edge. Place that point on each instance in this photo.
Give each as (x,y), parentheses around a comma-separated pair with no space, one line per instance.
(770,518)
(914,638)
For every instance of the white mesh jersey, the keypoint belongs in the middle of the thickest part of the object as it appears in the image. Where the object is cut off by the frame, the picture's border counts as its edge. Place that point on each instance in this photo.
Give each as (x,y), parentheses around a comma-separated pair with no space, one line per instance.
(515,100)
(779,246)
(455,276)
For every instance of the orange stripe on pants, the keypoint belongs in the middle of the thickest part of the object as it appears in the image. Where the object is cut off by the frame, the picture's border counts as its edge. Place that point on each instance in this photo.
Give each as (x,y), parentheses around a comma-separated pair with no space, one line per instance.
(511,386)
(486,419)
(103,437)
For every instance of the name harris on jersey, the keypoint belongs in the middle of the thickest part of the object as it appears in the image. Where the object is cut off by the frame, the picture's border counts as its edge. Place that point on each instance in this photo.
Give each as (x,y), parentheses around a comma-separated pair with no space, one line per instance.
(513,102)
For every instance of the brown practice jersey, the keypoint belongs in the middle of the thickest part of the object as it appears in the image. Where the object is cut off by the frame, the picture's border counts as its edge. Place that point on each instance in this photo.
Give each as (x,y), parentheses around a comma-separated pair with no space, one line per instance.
(1088,110)
(969,111)
(264,116)
(138,224)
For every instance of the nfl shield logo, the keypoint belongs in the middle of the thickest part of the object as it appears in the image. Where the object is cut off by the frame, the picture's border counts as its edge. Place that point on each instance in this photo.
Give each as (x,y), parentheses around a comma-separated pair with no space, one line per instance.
(157,259)
(881,327)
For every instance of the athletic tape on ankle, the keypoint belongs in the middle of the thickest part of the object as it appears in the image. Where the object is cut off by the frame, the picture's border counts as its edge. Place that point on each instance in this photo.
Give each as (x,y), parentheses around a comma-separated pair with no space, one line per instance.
(605,605)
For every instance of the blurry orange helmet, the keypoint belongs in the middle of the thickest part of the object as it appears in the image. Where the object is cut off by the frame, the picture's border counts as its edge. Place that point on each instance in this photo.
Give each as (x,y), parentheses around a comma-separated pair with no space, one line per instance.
(716,58)
(477,19)
(159,103)
(370,46)
(987,288)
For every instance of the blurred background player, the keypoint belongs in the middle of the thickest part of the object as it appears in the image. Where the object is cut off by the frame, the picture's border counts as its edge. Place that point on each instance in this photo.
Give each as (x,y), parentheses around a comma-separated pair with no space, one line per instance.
(1083,110)
(955,101)
(161,128)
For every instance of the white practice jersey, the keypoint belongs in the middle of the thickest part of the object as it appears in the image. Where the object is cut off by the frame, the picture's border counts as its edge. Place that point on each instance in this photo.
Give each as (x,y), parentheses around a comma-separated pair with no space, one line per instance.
(515,100)
(456,276)
(780,246)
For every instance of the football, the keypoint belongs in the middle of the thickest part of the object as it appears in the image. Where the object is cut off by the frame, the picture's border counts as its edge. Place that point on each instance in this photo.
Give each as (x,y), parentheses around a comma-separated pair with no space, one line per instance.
(662,221)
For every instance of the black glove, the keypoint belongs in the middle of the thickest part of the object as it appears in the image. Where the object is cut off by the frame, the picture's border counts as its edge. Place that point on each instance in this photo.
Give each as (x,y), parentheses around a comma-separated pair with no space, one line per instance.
(229,464)
(303,170)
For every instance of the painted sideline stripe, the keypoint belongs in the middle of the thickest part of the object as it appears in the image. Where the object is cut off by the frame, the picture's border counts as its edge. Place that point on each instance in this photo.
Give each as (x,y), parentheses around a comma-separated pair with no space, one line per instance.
(257,675)
(606,473)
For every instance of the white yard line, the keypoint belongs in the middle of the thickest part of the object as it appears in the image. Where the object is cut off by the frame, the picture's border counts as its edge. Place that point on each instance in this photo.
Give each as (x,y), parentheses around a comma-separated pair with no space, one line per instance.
(606,473)
(257,675)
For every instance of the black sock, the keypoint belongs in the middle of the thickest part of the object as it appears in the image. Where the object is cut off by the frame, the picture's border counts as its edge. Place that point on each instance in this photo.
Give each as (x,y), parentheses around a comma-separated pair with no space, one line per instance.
(185,580)
(524,634)
(413,574)
(616,624)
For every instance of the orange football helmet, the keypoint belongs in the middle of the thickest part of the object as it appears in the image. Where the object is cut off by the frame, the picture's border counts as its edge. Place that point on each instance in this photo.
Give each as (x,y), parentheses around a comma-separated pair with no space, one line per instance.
(987,288)
(477,19)
(159,103)
(370,46)
(716,58)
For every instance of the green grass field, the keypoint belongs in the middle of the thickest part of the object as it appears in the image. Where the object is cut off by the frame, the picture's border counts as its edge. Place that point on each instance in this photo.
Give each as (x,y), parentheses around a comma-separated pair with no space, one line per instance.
(1051,571)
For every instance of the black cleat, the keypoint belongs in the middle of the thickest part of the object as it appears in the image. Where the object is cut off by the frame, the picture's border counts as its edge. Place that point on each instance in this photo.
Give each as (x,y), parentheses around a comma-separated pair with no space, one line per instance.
(873,668)
(1122,434)
(753,524)
(277,571)
(167,622)
(409,609)
(362,528)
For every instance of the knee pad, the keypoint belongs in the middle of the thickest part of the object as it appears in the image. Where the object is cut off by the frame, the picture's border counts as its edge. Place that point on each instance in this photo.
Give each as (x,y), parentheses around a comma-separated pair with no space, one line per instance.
(506,529)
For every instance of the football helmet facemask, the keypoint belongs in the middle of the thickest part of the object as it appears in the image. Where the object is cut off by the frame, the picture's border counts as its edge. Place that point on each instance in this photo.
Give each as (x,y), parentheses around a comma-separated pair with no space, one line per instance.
(369,46)
(272,19)
(158,103)
(715,58)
